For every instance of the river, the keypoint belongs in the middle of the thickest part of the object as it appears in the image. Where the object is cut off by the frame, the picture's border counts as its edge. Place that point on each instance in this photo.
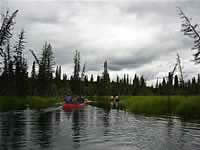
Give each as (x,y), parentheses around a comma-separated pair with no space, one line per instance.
(94,128)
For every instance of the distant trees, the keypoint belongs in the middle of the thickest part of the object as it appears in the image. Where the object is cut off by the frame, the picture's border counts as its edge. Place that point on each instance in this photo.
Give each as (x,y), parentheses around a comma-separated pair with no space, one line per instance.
(33,72)
(45,80)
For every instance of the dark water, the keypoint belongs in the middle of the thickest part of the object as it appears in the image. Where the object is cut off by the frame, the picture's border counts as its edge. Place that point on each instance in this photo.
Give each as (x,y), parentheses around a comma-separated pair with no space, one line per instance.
(94,129)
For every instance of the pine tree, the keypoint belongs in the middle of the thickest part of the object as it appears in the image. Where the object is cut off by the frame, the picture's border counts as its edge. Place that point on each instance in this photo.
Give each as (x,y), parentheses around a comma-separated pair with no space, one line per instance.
(176,84)
(117,79)
(92,79)
(46,62)
(106,76)
(98,79)
(46,66)
(142,82)
(127,79)
(33,72)
(76,65)
(164,83)
(135,82)
(60,72)
(64,76)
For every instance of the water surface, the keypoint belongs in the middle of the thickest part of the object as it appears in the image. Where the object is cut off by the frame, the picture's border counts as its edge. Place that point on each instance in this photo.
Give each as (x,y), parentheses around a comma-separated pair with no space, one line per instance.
(94,128)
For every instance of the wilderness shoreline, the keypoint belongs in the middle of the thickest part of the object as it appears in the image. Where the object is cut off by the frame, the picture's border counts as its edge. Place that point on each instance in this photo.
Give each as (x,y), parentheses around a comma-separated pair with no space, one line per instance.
(186,107)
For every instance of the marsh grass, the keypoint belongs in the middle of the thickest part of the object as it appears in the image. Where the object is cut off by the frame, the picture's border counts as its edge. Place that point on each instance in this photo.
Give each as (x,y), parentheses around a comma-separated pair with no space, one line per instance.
(12,102)
(184,106)
(37,102)
(34,102)
(187,107)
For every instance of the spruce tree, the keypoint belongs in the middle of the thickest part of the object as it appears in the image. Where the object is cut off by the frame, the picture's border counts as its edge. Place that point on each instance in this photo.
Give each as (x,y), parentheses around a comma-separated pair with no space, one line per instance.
(33,72)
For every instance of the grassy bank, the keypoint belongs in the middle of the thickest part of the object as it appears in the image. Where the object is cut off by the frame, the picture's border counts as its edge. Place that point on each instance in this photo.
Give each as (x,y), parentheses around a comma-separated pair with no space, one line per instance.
(185,106)
(33,102)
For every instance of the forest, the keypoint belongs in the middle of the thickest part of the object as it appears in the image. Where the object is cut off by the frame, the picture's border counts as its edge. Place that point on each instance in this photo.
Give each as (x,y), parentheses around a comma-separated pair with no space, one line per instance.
(46,77)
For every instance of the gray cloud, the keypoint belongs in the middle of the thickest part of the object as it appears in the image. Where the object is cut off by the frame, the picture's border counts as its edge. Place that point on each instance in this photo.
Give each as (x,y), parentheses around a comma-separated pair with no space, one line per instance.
(131,35)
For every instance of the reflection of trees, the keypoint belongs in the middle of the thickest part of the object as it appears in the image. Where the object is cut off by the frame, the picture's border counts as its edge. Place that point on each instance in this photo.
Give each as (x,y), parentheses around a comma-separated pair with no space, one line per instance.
(57,117)
(106,118)
(106,122)
(42,129)
(22,130)
(68,114)
(12,131)
(170,125)
(76,128)
(169,133)
(182,135)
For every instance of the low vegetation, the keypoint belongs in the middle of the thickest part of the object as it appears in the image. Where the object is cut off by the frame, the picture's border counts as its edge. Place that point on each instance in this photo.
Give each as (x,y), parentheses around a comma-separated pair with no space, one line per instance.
(33,102)
(186,107)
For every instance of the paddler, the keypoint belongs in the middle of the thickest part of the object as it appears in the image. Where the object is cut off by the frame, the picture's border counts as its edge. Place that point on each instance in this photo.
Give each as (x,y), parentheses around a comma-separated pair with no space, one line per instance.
(68,99)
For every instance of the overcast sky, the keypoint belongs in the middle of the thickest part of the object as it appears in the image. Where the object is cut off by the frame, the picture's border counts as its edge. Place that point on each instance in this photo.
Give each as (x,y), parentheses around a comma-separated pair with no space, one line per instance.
(140,36)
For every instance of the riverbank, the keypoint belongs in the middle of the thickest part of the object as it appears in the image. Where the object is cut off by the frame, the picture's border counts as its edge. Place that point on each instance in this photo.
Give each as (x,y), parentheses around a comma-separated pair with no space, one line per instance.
(184,106)
(33,102)
(187,107)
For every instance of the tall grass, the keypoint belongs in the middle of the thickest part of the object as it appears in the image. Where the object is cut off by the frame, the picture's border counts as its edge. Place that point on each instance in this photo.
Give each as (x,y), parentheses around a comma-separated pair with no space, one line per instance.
(37,102)
(185,106)
(33,102)
(12,102)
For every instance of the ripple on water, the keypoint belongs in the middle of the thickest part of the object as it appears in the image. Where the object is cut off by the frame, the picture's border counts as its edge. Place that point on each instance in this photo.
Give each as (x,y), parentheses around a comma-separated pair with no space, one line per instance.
(95,128)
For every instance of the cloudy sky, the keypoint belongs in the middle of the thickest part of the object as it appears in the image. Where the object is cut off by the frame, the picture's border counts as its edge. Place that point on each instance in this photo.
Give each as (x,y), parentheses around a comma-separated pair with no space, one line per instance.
(135,36)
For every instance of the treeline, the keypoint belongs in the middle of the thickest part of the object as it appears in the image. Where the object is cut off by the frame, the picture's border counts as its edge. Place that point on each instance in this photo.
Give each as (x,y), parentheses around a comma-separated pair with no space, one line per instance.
(45,80)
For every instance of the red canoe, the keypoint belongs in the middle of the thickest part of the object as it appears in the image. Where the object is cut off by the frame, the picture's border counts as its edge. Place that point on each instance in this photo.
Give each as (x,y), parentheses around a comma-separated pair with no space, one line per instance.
(73,106)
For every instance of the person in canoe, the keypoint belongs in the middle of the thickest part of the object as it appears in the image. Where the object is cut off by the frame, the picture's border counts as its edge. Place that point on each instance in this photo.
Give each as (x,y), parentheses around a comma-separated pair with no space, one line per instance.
(112,101)
(117,101)
(80,99)
(68,99)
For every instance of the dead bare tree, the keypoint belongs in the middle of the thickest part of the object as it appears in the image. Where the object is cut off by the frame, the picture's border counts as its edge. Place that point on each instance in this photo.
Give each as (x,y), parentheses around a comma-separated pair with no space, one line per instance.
(35,56)
(5,30)
(192,31)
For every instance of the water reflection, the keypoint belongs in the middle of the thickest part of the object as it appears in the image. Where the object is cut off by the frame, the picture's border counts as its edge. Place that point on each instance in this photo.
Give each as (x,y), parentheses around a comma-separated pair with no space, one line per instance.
(106,118)
(12,130)
(78,125)
(94,128)
(76,128)
(42,129)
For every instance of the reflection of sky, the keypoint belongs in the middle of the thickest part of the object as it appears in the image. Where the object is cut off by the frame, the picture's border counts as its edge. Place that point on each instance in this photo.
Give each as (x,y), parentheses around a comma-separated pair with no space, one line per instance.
(94,128)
